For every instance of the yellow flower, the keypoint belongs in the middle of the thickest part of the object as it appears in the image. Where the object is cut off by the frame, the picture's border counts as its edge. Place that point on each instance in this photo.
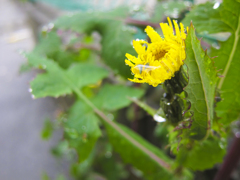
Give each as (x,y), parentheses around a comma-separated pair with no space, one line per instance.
(159,60)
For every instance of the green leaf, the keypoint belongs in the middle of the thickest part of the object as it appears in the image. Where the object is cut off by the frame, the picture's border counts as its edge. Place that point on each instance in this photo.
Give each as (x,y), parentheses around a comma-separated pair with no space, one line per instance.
(132,148)
(135,150)
(57,81)
(114,97)
(51,46)
(226,18)
(202,155)
(47,129)
(116,36)
(201,86)
(82,129)
(205,19)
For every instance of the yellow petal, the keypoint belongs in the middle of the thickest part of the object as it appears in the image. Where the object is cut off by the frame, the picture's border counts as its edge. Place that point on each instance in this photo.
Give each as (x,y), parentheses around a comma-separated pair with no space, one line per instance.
(138,47)
(153,35)
(129,63)
(176,29)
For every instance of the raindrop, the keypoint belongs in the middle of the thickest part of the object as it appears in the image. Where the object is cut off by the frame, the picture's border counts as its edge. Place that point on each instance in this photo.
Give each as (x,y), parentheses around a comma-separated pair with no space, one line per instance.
(136,8)
(216,45)
(158,118)
(216,5)
(33,97)
(110,116)
(50,26)
(237,135)
(168,103)
(30,90)
(72,133)
(108,154)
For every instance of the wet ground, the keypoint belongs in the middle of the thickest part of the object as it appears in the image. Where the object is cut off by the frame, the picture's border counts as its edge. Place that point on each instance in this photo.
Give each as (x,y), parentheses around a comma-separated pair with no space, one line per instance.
(23,155)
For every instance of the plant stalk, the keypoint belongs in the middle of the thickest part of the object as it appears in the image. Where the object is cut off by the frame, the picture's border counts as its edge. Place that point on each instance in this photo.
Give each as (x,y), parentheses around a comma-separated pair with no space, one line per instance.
(123,133)
(230,162)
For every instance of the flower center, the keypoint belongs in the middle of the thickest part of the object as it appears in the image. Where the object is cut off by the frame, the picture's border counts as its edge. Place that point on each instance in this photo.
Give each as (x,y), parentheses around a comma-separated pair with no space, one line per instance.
(159,54)
(159,50)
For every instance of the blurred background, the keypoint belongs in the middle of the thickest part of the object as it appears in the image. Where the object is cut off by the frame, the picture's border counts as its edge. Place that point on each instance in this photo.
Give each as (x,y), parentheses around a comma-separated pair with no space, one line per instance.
(23,154)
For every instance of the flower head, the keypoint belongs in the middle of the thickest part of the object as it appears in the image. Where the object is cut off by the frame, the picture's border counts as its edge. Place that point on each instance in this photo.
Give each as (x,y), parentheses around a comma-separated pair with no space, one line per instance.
(159,60)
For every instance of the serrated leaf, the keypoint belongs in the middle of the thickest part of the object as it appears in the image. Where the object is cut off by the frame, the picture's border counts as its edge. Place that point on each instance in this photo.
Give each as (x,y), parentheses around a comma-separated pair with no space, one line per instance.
(114,97)
(203,154)
(116,36)
(201,86)
(82,130)
(57,81)
(205,19)
(225,18)
(50,46)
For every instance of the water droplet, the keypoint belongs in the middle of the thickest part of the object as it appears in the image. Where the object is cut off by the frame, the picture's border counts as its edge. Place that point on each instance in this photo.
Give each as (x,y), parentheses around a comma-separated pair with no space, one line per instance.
(216,45)
(50,26)
(110,116)
(72,133)
(168,103)
(136,8)
(158,118)
(237,135)
(216,5)
(33,97)
(30,90)
(108,154)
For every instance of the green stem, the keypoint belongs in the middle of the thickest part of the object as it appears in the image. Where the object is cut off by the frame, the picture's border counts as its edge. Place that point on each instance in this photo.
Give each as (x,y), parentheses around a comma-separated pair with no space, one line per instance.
(120,131)
(144,106)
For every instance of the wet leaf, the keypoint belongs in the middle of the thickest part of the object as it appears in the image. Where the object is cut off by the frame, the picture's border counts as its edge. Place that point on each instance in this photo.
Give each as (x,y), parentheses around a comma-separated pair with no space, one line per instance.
(114,97)
(201,86)
(116,35)
(225,18)
(57,81)
(144,156)
(82,130)
(202,155)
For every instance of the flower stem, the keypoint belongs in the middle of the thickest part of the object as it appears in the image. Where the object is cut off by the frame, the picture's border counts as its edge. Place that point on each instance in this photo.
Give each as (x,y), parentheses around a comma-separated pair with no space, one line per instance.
(120,131)
(141,23)
(230,161)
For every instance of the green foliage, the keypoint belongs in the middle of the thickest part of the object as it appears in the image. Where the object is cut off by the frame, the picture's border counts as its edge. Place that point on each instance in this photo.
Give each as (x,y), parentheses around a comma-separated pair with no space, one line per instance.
(47,129)
(201,155)
(51,46)
(226,18)
(82,130)
(201,86)
(126,142)
(116,35)
(71,64)
(57,81)
(108,96)
(171,9)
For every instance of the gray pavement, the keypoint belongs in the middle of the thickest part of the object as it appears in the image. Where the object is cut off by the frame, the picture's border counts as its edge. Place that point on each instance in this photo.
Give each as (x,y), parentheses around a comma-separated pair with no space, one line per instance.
(23,155)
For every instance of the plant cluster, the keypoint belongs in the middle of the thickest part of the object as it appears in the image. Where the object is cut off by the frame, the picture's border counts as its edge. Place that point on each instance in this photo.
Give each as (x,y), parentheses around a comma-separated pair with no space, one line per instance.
(117,129)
